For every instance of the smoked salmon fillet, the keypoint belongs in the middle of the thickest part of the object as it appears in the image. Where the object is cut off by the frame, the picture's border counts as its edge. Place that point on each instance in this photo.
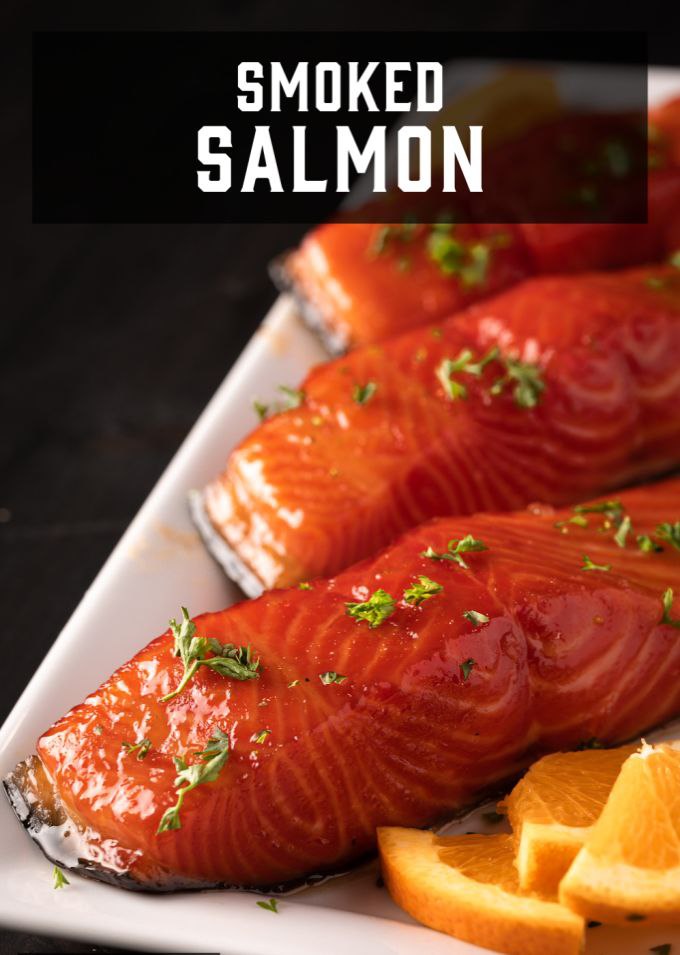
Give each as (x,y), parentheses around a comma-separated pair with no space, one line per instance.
(393,694)
(359,283)
(555,390)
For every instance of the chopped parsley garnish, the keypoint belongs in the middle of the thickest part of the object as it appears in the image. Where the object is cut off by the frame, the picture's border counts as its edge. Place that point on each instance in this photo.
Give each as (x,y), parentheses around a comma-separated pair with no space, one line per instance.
(647,545)
(379,606)
(423,590)
(578,519)
(228,660)
(261,409)
(303,585)
(674,259)
(292,397)
(455,549)
(60,879)
(669,532)
(363,393)
(653,281)
(525,380)
(330,676)
(612,510)
(475,617)
(260,737)
(667,601)
(623,531)
(466,668)
(445,371)
(141,748)
(588,564)
(293,683)
(465,363)
(214,756)
(271,906)
(469,262)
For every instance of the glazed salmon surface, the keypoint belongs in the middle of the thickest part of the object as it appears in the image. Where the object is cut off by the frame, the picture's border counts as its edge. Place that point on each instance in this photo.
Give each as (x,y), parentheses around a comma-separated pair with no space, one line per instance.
(522,651)
(317,487)
(362,283)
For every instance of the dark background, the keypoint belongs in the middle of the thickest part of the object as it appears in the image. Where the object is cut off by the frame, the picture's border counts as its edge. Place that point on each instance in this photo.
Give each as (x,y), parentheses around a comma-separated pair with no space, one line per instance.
(113,338)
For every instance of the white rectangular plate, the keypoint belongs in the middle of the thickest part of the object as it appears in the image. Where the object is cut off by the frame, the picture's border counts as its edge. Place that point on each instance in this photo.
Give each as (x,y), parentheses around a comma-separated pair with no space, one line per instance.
(158,565)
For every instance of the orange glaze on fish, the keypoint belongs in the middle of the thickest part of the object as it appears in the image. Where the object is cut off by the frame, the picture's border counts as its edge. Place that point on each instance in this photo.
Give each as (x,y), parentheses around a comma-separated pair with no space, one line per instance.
(316,488)
(360,288)
(566,655)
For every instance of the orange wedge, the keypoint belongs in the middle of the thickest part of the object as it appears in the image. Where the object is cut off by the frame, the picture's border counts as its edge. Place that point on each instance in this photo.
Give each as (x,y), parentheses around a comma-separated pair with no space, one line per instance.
(467,886)
(552,809)
(629,869)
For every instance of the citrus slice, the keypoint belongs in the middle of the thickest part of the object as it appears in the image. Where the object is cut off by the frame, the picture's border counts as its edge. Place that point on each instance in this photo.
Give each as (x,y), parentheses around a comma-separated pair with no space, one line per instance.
(552,809)
(629,869)
(467,886)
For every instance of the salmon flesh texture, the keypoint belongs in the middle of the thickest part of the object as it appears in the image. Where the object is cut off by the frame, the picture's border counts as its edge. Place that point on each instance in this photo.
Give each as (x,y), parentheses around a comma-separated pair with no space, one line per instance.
(438,704)
(320,486)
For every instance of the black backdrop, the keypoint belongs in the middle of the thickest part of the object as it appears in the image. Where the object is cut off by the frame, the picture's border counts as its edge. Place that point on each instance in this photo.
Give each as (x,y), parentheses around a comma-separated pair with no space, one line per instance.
(114,337)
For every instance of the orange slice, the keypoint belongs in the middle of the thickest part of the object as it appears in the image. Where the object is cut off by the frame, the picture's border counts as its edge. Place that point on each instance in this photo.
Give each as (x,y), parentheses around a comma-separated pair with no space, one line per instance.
(552,809)
(467,886)
(630,866)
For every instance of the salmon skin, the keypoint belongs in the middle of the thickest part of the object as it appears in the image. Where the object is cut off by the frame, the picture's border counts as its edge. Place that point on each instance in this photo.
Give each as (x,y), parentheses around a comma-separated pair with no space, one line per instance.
(467,668)
(357,284)
(386,438)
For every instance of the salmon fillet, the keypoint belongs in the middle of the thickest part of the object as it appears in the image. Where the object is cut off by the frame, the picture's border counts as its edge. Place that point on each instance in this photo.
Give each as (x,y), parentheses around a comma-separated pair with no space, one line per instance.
(362,283)
(326,483)
(463,671)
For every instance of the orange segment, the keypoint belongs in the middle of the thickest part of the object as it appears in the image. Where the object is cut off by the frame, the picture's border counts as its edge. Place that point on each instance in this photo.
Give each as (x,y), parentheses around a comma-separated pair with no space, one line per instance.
(467,886)
(630,866)
(552,809)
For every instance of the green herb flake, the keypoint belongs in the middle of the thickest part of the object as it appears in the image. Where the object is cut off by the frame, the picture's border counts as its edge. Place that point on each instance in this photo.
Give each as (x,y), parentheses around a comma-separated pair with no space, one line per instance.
(525,380)
(466,668)
(260,737)
(453,389)
(588,564)
(363,393)
(578,519)
(423,590)
(667,601)
(292,397)
(647,545)
(141,748)
(379,606)
(213,757)
(475,270)
(611,510)
(674,259)
(623,531)
(261,409)
(271,906)
(670,533)
(293,683)
(330,676)
(59,878)
(465,545)
(303,585)
(475,617)
(236,663)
